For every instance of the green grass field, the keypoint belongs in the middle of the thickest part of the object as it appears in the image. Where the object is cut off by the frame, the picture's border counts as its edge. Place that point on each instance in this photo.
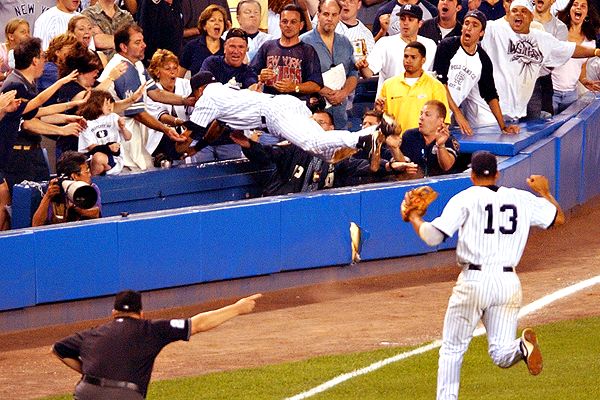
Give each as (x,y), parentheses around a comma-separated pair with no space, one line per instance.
(571,371)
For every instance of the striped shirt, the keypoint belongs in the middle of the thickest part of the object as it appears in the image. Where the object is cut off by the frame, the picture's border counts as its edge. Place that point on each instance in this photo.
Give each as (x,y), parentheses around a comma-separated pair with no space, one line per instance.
(493,224)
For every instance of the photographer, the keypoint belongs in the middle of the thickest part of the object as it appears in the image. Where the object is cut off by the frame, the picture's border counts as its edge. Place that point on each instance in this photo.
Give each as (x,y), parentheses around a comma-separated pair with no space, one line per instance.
(56,206)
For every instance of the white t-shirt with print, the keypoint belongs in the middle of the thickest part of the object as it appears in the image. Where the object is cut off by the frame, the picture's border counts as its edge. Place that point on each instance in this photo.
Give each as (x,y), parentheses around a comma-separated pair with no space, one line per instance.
(103,130)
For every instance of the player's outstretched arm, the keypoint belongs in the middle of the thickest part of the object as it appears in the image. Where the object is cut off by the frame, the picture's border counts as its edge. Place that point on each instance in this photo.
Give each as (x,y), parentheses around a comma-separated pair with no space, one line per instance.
(211,319)
(539,184)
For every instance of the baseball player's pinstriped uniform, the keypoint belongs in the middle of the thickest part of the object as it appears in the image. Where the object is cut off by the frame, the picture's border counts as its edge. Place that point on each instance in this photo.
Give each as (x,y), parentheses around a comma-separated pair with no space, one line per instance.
(493,225)
(283,115)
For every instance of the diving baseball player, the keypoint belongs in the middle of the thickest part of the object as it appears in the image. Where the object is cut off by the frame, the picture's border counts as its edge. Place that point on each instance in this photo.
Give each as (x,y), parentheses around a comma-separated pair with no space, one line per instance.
(493,225)
(282,115)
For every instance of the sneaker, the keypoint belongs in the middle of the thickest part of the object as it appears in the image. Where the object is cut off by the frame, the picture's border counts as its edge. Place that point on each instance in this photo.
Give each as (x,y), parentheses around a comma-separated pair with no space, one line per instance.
(388,125)
(531,351)
(371,145)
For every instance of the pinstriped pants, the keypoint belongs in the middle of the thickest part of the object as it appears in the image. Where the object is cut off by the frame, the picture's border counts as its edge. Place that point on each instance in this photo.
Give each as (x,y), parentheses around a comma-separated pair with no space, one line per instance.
(289,118)
(495,299)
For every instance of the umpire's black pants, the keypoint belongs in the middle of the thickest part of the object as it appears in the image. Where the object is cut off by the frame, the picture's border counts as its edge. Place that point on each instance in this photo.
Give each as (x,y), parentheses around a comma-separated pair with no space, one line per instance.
(87,391)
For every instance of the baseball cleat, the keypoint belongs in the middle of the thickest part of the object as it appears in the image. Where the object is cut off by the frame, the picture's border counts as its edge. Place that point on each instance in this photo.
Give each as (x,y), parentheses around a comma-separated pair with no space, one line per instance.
(388,125)
(531,351)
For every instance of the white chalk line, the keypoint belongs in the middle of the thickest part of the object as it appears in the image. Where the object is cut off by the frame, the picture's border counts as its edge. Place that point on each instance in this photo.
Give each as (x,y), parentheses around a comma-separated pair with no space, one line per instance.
(525,310)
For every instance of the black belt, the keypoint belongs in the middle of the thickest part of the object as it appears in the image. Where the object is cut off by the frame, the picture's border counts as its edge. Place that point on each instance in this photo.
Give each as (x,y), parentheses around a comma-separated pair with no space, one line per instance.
(475,267)
(103,382)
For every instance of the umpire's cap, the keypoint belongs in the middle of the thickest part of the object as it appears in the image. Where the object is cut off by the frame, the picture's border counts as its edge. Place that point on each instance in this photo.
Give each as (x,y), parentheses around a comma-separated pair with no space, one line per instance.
(128,301)
(483,163)
(201,78)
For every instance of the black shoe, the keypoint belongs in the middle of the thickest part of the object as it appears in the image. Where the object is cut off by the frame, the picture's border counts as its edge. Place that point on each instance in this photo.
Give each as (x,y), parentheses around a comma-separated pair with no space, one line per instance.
(371,144)
(388,125)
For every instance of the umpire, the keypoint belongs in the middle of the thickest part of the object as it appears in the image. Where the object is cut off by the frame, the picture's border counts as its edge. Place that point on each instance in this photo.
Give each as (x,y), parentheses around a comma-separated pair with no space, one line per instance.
(116,359)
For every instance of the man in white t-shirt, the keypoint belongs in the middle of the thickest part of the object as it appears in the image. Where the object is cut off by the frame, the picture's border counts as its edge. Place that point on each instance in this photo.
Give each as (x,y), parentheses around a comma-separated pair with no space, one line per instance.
(518,53)
(387,57)
(54,21)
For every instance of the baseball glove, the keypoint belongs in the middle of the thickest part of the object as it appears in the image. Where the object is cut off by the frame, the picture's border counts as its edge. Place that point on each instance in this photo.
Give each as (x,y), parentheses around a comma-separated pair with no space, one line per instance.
(417,200)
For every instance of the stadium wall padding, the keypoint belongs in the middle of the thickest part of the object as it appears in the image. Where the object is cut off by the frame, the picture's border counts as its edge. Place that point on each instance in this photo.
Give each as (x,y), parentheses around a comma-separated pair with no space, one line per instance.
(209,242)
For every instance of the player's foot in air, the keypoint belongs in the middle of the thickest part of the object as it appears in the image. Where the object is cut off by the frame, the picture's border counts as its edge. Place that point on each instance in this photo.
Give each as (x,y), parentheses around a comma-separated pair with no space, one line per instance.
(531,351)
(388,125)
(371,145)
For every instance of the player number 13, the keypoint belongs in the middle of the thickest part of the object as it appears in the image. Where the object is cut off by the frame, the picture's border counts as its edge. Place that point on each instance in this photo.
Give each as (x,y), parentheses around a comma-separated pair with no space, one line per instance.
(503,229)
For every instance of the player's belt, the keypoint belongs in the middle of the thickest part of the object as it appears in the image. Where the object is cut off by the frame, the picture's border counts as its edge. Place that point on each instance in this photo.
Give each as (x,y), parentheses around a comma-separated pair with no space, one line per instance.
(94,380)
(475,267)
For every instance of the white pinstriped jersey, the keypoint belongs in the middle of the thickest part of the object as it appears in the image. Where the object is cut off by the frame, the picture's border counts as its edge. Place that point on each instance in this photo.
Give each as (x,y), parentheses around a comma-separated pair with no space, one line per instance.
(493,225)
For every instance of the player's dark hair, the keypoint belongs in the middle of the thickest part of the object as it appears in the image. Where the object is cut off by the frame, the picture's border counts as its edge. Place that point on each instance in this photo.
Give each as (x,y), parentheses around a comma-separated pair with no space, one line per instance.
(92,108)
(326,113)
(439,106)
(26,51)
(123,35)
(373,113)
(590,25)
(70,162)
(419,46)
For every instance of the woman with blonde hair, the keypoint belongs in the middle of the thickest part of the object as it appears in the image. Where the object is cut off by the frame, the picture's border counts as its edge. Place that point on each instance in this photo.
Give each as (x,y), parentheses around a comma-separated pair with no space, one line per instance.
(81,26)
(15,31)
(163,69)
(211,24)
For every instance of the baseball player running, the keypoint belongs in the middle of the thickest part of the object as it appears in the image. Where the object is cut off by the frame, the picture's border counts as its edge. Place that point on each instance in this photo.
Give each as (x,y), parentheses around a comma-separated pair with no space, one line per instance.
(493,225)
(282,115)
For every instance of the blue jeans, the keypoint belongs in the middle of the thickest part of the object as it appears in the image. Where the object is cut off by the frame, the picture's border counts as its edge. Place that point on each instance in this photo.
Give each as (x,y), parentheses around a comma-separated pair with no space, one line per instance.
(561,100)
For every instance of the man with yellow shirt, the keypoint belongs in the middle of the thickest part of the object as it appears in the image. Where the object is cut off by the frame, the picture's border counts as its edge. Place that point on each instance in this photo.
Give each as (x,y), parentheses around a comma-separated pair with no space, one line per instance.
(404,95)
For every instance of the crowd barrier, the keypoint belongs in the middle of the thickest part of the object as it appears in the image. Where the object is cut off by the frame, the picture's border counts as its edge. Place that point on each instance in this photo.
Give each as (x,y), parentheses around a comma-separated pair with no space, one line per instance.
(236,239)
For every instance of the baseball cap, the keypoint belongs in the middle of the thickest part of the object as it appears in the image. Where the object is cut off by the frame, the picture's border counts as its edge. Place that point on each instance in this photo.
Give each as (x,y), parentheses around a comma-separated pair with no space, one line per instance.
(483,163)
(128,301)
(201,78)
(479,16)
(528,4)
(412,10)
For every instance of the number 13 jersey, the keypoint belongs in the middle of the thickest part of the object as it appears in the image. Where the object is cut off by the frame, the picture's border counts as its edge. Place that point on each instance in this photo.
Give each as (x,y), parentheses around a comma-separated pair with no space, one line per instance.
(493,224)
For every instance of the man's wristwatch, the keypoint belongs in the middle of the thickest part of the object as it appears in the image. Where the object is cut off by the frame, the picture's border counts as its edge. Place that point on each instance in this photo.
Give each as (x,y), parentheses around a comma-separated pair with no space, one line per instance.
(297,89)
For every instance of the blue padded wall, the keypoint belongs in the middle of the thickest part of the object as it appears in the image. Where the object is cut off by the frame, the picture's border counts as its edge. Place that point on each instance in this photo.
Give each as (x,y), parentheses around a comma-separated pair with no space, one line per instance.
(159,249)
(389,235)
(17,271)
(76,261)
(591,155)
(239,239)
(315,229)
(514,171)
(569,145)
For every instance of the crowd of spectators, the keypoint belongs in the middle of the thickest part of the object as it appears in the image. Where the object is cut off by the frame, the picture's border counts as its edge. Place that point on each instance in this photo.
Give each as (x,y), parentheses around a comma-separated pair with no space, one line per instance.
(110,80)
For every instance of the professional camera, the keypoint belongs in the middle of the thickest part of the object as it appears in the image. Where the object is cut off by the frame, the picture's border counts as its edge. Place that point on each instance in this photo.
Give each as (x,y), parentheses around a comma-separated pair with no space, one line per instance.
(79,193)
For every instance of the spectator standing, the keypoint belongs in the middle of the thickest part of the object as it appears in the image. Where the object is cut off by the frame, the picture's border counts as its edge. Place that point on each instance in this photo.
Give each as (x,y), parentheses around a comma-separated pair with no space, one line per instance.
(466,71)
(518,53)
(336,56)
(191,10)
(162,23)
(541,99)
(445,24)
(431,146)
(288,65)
(404,95)
(248,14)
(386,21)
(107,18)
(54,21)
(386,58)
(15,31)
(116,359)
(211,25)
(582,21)
(350,26)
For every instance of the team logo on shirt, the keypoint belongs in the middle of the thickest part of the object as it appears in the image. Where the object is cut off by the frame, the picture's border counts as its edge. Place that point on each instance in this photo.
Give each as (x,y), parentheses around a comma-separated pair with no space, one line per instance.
(526,52)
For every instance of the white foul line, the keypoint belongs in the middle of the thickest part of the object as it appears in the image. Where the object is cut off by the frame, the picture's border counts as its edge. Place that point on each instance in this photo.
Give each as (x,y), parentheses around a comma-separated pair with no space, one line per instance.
(528,309)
